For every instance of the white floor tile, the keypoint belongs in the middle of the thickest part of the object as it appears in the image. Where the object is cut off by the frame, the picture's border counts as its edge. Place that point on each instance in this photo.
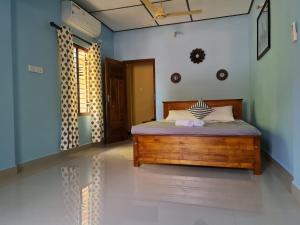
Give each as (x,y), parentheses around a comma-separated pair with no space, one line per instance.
(119,194)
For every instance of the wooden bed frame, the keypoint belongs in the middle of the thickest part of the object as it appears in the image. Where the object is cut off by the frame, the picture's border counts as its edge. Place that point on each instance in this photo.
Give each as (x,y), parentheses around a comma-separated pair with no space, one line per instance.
(202,150)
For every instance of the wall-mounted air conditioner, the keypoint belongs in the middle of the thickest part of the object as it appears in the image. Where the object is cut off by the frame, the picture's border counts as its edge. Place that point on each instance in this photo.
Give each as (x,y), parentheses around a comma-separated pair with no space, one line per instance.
(80,20)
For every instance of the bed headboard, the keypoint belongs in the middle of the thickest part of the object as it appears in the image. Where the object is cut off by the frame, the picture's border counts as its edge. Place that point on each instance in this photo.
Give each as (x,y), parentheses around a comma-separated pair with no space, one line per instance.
(237,106)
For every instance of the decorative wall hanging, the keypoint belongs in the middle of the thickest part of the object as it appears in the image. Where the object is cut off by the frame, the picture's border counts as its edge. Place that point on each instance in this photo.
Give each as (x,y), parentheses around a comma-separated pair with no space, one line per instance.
(222,75)
(263,30)
(197,55)
(175,78)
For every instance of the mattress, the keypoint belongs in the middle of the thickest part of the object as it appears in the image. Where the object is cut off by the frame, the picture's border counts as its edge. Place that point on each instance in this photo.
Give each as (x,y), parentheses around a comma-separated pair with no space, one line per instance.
(235,128)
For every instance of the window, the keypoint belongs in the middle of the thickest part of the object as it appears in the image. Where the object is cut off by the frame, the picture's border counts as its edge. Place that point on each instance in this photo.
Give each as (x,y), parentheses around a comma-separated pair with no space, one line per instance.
(81,69)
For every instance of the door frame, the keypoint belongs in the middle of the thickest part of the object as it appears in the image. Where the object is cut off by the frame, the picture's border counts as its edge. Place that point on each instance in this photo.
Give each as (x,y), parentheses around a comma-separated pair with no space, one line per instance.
(152,61)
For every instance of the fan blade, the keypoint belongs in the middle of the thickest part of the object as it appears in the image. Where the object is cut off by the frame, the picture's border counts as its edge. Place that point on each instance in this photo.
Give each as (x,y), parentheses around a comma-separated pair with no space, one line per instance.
(152,8)
(186,13)
(157,19)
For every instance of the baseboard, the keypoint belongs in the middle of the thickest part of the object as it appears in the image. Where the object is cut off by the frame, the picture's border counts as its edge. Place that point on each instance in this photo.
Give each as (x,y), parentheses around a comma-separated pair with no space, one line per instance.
(45,162)
(281,173)
(296,192)
(53,159)
(8,172)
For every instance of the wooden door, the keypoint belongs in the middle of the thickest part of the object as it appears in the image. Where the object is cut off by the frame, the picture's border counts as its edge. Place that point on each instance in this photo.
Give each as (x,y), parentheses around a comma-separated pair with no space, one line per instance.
(140,91)
(116,102)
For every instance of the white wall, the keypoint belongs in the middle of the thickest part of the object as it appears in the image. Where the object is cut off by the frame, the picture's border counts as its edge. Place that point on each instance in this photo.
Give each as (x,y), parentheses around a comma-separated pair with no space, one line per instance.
(225,42)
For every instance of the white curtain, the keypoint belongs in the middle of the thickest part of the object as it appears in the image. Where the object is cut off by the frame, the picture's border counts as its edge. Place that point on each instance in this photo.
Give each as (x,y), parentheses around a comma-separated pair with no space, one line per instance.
(68,82)
(95,96)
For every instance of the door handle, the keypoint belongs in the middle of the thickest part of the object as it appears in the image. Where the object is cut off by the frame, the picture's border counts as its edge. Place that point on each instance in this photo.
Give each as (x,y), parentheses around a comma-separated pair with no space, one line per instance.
(107,98)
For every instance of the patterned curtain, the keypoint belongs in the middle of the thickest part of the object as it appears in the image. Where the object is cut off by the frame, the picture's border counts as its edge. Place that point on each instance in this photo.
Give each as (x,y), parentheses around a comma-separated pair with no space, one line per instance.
(69,106)
(95,88)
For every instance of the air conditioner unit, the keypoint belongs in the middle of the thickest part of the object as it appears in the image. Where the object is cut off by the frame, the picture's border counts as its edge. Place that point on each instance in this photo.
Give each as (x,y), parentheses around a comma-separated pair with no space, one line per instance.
(80,20)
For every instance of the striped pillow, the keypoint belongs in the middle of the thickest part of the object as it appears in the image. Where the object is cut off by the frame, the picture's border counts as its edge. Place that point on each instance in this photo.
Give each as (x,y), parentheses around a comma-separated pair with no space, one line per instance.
(200,110)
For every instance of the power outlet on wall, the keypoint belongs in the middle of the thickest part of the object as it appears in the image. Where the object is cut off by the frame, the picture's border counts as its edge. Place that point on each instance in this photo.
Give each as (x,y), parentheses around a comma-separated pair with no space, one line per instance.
(35,69)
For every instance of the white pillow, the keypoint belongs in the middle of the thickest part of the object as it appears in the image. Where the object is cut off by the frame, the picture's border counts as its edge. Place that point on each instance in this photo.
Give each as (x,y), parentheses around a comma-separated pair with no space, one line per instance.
(220,114)
(180,115)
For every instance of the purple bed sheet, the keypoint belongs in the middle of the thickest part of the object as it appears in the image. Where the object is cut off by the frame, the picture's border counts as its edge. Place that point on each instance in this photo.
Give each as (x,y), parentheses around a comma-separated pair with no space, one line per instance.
(235,128)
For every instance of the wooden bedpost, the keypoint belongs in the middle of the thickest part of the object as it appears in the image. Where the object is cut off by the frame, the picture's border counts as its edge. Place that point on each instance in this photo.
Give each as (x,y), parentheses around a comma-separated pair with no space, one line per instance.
(136,162)
(257,156)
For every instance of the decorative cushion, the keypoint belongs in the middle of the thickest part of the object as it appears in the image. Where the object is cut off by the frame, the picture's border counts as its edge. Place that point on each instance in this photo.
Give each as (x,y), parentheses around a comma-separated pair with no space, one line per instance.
(220,114)
(200,110)
(180,115)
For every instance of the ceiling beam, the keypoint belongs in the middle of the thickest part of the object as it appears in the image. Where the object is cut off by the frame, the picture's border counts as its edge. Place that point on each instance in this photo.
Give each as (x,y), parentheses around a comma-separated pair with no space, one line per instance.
(149,13)
(194,21)
(251,6)
(189,9)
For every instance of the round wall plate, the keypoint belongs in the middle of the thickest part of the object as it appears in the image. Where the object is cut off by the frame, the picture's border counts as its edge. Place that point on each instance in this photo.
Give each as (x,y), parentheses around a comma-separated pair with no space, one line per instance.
(175,78)
(222,75)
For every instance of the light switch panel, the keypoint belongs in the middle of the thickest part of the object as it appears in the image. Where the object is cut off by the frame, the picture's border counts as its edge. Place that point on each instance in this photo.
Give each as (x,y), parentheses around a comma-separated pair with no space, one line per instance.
(294,33)
(35,69)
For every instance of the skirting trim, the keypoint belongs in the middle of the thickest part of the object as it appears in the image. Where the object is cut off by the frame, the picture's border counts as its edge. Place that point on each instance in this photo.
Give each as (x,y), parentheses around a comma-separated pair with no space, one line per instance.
(296,192)
(45,162)
(8,172)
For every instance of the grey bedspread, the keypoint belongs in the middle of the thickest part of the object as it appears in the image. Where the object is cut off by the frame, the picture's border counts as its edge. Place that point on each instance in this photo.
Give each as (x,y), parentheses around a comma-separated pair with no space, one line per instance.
(238,127)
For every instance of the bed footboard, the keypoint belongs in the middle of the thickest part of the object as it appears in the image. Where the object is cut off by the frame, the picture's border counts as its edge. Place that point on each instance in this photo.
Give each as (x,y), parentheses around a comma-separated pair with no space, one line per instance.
(217,151)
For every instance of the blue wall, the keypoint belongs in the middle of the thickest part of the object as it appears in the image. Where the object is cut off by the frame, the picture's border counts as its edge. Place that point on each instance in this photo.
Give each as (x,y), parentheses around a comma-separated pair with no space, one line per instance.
(7,148)
(275,86)
(225,42)
(30,102)
(37,96)
(107,38)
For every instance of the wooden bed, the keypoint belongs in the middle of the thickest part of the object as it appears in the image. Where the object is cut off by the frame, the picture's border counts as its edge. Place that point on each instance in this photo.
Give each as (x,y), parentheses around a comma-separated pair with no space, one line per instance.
(202,150)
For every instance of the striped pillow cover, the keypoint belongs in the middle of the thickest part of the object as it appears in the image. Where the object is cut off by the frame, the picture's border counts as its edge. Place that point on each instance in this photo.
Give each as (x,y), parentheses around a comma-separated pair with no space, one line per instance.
(200,110)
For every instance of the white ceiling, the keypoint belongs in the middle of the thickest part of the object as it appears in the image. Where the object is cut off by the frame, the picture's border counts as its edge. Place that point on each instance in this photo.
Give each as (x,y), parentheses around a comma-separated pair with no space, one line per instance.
(121,15)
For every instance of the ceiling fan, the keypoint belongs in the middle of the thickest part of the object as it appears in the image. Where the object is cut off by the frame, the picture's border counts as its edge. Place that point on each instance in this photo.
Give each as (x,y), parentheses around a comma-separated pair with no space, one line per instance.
(160,13)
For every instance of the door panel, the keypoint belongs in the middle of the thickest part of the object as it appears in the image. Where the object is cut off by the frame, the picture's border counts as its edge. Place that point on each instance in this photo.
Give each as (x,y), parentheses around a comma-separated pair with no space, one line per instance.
(116,110)
(143,93)
(140,87)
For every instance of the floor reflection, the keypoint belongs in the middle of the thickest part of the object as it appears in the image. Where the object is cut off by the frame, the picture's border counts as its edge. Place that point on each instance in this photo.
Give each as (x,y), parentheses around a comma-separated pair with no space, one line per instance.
(84,205)
(221,192)
(101,187)
(72,193)
(97,191)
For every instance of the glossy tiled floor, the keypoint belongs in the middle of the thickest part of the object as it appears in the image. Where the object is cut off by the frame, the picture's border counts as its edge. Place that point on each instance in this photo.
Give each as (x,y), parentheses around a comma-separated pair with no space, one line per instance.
(101,187)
